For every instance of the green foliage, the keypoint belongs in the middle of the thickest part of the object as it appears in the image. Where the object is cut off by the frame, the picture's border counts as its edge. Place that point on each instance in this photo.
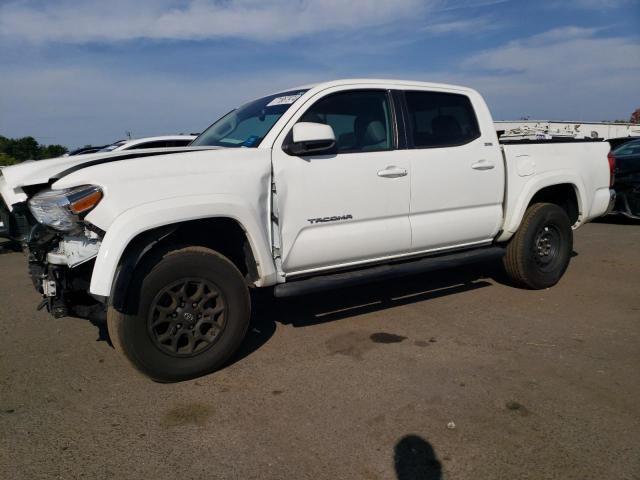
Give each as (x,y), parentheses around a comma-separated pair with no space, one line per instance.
(16,150)
(6,160)
(53,151)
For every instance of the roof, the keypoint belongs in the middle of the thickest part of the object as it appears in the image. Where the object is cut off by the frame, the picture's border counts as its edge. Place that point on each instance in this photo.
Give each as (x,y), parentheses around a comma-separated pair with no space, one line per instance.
(375,81)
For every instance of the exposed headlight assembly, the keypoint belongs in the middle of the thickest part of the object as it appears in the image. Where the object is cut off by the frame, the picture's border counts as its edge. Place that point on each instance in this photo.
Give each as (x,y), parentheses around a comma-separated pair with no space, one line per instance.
(62,209)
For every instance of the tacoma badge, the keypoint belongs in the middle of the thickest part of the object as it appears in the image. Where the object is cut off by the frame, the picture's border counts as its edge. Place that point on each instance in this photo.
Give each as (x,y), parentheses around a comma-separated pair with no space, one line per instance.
(330,219)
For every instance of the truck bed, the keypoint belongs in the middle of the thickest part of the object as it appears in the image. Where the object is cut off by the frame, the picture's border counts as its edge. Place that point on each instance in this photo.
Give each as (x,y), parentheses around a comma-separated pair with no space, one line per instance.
(582,165)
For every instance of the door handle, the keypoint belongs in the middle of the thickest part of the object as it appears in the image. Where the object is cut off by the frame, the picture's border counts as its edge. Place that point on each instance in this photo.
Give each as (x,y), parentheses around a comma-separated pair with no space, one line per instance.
(392,172)
(483,165)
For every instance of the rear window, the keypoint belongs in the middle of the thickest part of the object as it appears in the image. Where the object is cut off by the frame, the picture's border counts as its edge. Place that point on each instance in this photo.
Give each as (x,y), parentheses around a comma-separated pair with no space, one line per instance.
(441,119)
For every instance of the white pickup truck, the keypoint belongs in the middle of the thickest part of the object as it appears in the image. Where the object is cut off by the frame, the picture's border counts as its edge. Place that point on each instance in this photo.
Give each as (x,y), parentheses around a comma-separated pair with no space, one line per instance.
(310,188)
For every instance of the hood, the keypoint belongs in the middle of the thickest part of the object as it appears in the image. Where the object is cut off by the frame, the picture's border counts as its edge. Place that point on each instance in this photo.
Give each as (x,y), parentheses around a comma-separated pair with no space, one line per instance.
(43,171)
(36,172)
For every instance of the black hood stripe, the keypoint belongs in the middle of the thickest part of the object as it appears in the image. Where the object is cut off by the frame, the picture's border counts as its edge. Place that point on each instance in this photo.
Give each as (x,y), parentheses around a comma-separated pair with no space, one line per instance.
(116,158)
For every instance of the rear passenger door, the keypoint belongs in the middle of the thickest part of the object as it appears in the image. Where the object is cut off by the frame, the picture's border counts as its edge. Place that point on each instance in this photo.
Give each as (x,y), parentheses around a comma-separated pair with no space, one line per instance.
(457,173)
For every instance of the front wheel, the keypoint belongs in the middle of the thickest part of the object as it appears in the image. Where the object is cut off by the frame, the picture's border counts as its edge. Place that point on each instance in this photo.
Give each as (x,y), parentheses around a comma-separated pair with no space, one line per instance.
(187,312)
(538,254)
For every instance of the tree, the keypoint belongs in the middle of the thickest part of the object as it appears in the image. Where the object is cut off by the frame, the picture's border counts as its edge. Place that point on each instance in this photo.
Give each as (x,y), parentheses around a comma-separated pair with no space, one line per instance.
(25,148)
(53,151)
(635,116)
(16,150)
(6,160)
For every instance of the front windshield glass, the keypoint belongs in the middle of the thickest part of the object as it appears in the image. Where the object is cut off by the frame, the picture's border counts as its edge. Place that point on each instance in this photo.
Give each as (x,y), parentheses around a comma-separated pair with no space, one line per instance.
(248,125)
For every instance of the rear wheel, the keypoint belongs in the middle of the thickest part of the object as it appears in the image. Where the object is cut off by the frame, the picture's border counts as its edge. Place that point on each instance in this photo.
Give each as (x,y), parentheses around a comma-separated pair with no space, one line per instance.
(538,254)
(187,313)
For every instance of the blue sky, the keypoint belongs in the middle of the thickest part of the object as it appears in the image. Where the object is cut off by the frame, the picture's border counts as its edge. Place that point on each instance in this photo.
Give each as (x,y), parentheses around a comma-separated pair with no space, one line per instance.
(79,72)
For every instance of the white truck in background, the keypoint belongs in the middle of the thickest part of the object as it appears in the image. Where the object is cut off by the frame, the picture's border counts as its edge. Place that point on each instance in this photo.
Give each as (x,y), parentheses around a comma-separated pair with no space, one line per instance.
(162,141)
(548,129)
(306,189)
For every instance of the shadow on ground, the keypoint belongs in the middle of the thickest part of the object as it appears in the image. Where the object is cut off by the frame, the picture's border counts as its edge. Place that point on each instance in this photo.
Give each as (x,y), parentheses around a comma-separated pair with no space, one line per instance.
(339,304)
(329,306)
(415,459)
(7,246)
(617,220)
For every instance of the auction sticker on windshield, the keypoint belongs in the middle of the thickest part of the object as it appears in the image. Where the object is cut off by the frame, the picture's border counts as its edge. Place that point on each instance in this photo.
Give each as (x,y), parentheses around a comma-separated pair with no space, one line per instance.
(285,100)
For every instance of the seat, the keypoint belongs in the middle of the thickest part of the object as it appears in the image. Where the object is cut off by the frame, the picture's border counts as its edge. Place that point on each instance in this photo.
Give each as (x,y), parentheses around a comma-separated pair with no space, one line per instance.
(370,134)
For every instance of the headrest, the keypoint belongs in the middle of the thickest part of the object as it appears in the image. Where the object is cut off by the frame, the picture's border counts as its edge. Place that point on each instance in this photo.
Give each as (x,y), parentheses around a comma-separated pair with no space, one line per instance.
(369,131)
(374,133)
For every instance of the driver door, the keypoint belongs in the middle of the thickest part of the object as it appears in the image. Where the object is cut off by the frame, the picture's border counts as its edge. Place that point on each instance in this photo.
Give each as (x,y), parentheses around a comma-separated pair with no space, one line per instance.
(348,207)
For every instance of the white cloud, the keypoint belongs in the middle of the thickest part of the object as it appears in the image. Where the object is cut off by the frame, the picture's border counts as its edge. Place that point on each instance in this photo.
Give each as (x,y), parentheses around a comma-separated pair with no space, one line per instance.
(563,73)
(468,26)
(568,73)
(563,53)
(594,4)
(100,21)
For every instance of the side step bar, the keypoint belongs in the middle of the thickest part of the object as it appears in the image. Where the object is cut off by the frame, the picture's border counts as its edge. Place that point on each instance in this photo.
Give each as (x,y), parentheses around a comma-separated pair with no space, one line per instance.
(386,271)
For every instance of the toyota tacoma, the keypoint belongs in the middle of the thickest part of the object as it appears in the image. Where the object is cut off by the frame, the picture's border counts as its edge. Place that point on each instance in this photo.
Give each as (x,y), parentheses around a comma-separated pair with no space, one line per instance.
(309,188)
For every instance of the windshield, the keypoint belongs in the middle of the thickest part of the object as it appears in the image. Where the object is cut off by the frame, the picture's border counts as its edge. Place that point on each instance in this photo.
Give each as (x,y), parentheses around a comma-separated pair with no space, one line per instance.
(248,125)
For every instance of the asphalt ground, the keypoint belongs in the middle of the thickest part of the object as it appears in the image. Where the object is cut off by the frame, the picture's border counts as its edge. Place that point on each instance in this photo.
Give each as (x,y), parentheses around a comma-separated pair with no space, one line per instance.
(453,375)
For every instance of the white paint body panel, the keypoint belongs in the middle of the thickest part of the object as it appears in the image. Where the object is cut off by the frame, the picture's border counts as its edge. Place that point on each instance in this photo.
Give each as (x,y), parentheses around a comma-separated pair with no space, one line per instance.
(328,185)
(41,171)
(457,192)
(583,165)
(307,131)
(340,185)
(149,192)
(11,194)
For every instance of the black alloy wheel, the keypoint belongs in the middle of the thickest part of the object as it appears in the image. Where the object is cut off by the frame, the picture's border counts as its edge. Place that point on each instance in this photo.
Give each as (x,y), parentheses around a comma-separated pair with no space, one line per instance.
(187,317)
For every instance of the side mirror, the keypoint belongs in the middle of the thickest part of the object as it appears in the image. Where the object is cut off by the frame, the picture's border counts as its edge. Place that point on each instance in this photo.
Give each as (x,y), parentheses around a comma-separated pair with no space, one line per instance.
(309,138)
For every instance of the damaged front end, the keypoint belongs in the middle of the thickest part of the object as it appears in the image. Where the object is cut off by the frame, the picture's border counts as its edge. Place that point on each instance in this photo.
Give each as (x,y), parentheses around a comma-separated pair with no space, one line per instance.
(62,248)
(60,269)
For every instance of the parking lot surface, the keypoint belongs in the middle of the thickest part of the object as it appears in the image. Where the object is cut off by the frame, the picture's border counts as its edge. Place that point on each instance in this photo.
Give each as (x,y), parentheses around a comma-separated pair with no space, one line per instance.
(447,375)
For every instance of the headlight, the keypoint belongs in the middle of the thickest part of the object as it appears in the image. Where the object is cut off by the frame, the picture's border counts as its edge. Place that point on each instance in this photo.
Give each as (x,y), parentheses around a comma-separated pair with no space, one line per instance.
(61,209)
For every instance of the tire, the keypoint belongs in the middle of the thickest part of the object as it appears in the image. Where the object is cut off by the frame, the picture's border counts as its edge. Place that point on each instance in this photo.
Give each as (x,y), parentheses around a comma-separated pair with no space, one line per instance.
(538,254)
(186,313)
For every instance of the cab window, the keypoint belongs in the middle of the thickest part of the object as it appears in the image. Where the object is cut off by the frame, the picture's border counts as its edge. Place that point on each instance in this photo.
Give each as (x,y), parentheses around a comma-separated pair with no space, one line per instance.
(360,119)
(440,119)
